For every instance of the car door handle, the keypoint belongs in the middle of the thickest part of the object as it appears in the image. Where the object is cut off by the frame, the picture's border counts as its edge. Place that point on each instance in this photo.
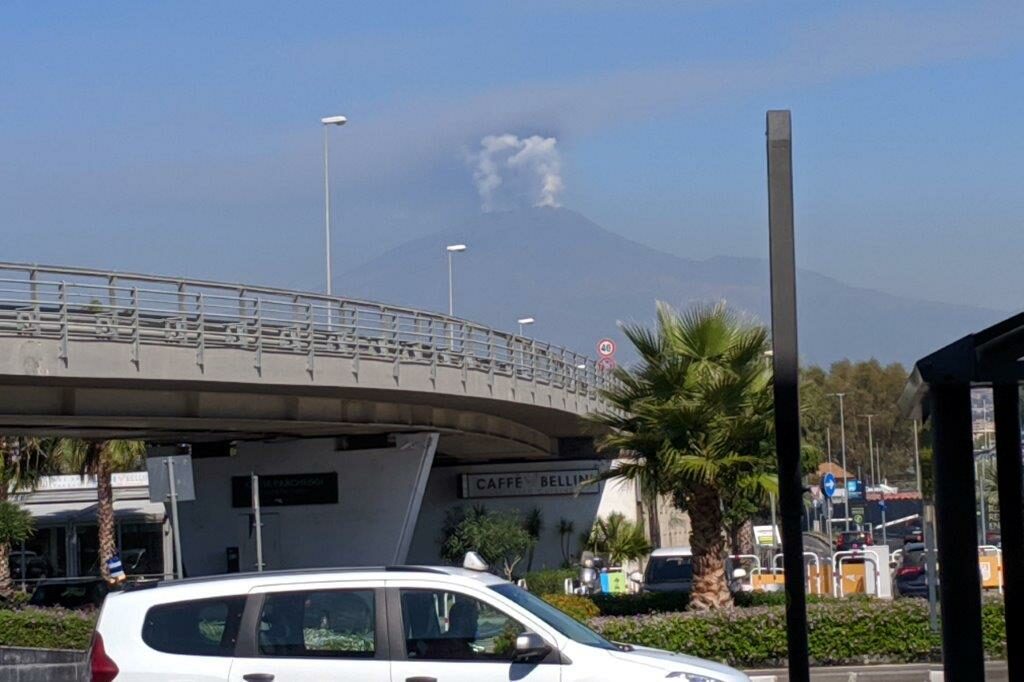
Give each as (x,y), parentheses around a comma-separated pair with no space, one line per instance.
(258,677)
(421,679)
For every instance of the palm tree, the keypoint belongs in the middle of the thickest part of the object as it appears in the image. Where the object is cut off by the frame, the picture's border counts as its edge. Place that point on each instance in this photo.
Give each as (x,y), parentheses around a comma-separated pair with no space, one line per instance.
(693,420)
(22,462)
(102,459)
(619,538)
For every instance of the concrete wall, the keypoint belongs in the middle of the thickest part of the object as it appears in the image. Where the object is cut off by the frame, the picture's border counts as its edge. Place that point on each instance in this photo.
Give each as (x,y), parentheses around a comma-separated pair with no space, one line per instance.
(42,665)
(442,495)
(378,502)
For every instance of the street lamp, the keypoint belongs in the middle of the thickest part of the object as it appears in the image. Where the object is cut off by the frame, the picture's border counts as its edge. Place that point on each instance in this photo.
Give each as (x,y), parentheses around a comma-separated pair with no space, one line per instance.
(452,249)
(524,322)
(842,447)
(327,122)
(871,449)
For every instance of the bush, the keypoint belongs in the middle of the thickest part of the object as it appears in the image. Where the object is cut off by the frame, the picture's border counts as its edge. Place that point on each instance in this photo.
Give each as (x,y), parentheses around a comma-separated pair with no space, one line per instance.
(580,608)
(840,632)
(550,581)
(640,604)
(46,628)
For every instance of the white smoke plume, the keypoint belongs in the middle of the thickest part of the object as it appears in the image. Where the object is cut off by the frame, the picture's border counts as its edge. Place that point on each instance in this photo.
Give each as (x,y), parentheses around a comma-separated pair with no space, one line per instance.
(511,172)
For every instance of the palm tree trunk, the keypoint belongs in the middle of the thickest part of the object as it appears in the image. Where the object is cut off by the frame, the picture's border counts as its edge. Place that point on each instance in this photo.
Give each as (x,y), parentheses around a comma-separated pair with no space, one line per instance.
(653,520)
(710,589)
(104,512)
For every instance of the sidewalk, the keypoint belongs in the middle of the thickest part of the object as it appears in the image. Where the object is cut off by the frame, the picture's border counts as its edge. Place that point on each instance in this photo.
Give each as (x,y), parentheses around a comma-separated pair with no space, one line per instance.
(994,672)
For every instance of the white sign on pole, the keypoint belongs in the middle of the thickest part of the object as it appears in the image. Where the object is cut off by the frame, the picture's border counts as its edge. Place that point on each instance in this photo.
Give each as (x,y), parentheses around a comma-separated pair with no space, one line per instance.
(170,480)
(606,348)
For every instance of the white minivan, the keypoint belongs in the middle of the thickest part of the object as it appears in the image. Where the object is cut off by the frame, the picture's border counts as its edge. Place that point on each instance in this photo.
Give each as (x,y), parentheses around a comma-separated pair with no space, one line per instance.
(402,624)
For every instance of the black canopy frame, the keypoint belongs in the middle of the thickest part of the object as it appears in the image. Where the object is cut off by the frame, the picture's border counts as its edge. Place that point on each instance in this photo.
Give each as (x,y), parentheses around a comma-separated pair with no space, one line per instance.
(939,390)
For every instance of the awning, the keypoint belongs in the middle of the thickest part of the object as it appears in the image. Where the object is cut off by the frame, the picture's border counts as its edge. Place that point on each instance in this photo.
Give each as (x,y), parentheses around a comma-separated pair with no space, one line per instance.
(59,513)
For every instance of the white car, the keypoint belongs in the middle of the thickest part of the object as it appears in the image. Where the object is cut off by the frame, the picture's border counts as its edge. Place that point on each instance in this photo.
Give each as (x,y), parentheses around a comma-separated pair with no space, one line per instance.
(403,624)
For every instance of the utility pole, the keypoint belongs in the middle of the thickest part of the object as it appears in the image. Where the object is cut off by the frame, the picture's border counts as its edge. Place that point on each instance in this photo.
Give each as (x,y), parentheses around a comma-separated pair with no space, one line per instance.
(917,460)
(842,448)
(786,384)
(871,449)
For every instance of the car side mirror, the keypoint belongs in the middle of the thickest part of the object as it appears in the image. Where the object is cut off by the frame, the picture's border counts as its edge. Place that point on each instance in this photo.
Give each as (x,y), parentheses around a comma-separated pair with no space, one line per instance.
(739,574)
(530,646)
(636,576)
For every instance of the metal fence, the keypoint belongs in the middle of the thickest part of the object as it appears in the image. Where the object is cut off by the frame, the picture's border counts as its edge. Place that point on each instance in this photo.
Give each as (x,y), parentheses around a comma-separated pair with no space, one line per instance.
(80,305)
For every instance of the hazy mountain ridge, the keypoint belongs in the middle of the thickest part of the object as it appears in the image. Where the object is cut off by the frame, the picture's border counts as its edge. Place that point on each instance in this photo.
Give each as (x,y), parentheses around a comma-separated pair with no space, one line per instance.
(578,280)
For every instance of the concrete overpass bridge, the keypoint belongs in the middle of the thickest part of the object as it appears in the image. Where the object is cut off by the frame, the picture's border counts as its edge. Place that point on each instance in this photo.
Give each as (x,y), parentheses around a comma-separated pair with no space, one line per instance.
(105,354)
(376,420)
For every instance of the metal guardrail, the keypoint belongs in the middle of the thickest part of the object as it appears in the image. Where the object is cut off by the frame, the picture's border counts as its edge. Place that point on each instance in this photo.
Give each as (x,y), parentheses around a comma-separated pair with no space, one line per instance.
(81,305)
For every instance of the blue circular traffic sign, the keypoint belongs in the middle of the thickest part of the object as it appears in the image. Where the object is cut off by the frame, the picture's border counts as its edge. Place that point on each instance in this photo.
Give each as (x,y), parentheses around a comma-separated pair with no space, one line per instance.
(828,484)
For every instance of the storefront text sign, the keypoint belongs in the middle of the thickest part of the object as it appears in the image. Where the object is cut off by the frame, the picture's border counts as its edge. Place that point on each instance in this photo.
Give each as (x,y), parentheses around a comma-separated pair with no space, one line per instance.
(525,483)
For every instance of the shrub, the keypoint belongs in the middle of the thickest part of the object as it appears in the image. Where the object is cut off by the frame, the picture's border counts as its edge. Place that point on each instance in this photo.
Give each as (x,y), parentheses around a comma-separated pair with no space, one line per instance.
(580,608)
(46,628)
(840,632)
(550,581)
(640,604)
(498,536)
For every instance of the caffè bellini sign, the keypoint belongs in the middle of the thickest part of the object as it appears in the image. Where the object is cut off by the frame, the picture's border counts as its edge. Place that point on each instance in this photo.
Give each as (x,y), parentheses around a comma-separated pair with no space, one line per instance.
(524,483)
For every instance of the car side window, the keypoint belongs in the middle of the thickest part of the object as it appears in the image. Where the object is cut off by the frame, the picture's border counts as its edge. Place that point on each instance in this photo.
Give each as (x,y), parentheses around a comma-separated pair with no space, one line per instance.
(451,626)
(205,627)
(318,624)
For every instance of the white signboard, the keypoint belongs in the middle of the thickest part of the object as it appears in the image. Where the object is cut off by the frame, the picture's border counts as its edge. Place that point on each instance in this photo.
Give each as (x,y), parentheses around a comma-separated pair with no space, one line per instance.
(525,483)
(764,536)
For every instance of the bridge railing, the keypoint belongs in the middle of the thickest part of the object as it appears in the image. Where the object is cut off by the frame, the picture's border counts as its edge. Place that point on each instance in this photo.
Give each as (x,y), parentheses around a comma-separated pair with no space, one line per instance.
(74,305)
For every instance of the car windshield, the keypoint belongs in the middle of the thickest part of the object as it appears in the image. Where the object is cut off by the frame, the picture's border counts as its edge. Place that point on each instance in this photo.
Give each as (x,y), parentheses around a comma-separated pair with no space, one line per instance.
(567,626)
(670,569)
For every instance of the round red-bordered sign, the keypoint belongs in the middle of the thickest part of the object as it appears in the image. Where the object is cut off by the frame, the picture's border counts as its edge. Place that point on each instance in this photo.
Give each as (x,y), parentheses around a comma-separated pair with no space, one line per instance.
(606,364)
(606,348)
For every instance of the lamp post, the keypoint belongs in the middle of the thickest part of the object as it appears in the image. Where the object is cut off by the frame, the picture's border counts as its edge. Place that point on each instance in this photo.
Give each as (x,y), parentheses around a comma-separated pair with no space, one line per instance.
(452,249)
(524,322)
(871,448)
(327,122)
(842,448)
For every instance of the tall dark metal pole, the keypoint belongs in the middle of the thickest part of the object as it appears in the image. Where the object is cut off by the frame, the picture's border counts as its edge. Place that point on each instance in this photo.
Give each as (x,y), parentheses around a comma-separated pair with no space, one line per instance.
(1011,521)
(787,395)
(963,655)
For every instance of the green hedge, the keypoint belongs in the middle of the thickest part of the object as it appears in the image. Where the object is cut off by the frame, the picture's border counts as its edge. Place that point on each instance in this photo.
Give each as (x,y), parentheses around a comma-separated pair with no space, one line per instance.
(580,608)
(46,628)
(549,581)
(640,604)
(840,631)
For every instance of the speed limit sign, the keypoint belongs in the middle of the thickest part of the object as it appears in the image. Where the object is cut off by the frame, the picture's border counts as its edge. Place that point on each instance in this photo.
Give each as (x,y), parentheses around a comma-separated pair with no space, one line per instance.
(606,348)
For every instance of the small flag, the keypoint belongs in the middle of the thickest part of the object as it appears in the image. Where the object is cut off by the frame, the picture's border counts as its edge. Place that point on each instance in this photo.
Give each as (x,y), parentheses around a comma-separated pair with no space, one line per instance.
(115,569)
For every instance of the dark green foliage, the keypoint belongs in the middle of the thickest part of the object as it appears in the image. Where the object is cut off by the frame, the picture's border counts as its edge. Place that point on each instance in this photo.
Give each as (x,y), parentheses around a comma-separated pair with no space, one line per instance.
(549,581)
(16,523)
(640,604)
(46,628)
(499,537)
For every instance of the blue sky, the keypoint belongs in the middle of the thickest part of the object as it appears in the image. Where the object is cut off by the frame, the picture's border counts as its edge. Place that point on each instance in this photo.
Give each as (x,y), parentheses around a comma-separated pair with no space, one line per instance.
(183,138)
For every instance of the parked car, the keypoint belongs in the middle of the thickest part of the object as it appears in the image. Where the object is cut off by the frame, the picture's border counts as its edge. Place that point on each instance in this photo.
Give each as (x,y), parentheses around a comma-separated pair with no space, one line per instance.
(70,593)
(913,534)
(853,539)
(373,625)
(35,566)
(669,569)
(912,574)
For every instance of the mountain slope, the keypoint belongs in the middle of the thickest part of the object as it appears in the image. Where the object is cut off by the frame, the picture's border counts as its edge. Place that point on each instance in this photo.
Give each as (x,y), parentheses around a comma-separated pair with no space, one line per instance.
(578,280)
